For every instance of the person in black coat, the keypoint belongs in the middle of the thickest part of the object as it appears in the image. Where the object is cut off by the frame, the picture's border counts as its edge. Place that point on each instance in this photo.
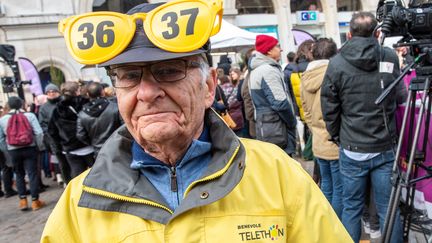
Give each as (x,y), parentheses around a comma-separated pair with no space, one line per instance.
(62,129)
(45,113)
(98,119)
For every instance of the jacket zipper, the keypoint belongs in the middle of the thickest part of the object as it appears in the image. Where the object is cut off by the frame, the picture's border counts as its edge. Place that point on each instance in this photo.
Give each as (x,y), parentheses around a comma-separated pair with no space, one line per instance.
(174,187)
(124,198)
(173,176)
(214,175)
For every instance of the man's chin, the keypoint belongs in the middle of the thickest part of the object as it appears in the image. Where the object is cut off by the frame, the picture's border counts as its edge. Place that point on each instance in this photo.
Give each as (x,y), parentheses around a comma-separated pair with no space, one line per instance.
(159,132)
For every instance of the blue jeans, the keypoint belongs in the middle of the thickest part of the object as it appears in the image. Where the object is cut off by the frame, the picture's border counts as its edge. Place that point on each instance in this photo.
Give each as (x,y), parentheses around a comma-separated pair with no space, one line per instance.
(354,177)
(331,183)
(290,149)
(25,162)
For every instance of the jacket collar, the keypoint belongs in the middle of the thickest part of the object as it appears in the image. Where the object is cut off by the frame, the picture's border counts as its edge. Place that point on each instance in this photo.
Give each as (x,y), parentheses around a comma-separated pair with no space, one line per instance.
(317,63)
(112,185)
(95,107)
(260,59)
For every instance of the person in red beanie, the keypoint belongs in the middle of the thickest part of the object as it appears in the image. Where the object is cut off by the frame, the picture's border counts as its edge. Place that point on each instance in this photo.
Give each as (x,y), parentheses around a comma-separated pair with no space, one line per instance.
(268,45)
(274,112)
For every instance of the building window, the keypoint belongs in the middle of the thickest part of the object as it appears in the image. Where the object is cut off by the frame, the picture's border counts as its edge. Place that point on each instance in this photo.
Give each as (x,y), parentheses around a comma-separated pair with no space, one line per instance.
(301,5)
(254,6)
(51,75)
(121,6)
(348,5)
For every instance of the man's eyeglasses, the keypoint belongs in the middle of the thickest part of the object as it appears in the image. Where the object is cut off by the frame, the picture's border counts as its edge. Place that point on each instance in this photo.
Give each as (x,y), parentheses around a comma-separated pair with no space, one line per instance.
(129,76)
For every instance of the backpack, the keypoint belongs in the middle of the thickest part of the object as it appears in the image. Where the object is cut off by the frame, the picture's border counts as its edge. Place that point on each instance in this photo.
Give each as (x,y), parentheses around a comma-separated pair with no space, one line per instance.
(19,131)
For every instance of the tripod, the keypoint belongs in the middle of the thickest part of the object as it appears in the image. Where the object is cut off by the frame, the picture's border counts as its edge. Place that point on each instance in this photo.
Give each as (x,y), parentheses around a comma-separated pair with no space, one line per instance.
(415,157)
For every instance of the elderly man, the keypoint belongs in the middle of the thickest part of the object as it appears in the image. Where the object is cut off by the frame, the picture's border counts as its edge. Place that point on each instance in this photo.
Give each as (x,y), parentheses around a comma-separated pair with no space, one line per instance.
(45,113)
(175,172)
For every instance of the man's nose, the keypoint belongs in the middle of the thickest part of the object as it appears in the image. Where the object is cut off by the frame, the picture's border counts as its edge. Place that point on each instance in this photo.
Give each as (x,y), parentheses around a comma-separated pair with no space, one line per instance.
(149,88)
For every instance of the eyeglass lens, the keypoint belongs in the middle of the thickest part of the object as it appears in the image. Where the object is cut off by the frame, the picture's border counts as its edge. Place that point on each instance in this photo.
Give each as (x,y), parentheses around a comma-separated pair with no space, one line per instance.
(167,71)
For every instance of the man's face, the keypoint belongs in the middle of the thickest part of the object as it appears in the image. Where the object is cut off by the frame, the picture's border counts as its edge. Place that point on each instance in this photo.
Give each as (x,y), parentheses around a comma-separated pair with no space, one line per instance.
(52,94)
(155,112)
(275,53)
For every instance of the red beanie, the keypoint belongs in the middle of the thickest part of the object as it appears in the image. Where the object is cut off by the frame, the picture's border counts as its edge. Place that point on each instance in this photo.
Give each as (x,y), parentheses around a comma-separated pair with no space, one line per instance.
(265,43)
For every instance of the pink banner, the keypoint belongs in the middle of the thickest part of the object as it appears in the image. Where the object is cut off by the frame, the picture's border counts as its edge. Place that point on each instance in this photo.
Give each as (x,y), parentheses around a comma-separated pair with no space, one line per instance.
(300,36)
(30,73)
(424,186)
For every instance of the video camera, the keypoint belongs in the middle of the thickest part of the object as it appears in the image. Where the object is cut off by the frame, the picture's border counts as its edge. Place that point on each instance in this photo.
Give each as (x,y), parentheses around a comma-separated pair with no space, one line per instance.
(7,53)
(414,22)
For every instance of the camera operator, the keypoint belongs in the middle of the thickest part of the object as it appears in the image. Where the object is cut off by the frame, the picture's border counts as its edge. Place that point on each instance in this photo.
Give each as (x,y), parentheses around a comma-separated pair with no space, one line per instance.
(366,132)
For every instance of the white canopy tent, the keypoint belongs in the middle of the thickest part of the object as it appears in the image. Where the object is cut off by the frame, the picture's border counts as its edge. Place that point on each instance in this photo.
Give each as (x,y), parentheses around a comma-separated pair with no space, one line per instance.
(232,38)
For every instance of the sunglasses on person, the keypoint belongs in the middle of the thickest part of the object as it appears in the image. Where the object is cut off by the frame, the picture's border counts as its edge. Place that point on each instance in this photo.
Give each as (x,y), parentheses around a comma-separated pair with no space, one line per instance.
(177,26)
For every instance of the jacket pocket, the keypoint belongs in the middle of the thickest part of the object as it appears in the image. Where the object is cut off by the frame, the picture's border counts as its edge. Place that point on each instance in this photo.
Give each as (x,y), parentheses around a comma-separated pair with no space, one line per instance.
(271,128)
(245,228)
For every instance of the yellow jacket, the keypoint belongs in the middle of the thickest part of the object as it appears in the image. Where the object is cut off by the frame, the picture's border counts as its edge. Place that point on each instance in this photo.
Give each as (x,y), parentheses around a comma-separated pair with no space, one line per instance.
(295,83)
(251,192)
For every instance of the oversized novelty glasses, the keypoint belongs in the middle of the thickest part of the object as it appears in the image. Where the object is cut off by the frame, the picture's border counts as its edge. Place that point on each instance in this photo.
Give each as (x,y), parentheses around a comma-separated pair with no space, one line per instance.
(129,76)
(177,26)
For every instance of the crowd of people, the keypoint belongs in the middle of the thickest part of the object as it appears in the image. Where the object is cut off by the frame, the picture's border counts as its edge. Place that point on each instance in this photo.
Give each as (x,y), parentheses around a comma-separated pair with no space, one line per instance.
(175,160)
(331,93)
(69,125)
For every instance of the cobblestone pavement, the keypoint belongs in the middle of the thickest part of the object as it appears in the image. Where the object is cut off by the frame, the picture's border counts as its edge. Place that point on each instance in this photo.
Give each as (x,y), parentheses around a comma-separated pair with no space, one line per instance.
(26,227)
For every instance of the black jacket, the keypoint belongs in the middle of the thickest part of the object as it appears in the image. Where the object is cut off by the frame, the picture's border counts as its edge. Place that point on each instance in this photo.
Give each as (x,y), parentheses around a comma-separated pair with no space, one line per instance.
(63,124)
(44,117)
(97,121)
(45,113)
(351,85)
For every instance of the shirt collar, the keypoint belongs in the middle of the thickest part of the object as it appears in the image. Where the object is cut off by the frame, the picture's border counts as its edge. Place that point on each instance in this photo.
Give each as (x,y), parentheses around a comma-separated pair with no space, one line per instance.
(198,147)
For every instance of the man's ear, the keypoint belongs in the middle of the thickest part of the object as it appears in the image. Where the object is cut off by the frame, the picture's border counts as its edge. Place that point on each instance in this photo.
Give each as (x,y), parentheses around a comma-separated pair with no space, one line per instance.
(211,83)
(349,36)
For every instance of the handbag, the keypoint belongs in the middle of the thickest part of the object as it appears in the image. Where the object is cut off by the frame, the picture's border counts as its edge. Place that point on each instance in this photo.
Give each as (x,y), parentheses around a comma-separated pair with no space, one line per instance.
(225,115)
(228,120)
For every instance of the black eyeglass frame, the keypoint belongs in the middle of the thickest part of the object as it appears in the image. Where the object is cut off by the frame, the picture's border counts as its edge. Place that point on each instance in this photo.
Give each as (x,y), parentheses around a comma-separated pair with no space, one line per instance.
(187,64)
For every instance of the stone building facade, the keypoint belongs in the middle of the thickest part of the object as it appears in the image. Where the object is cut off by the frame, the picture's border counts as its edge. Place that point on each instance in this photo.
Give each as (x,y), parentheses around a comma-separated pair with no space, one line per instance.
(31,26)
